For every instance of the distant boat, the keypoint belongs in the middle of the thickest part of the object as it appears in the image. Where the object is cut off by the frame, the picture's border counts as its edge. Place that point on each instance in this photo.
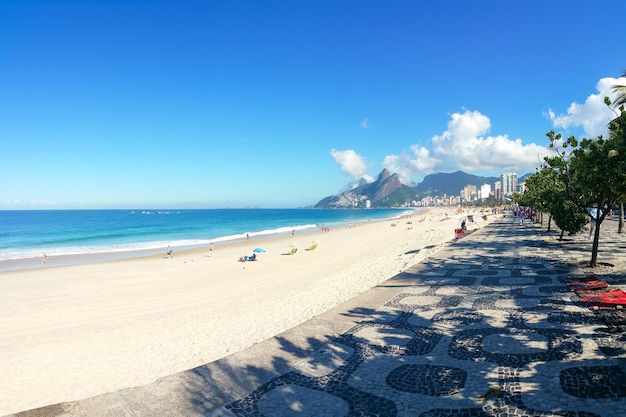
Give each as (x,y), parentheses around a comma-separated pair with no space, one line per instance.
(132,212)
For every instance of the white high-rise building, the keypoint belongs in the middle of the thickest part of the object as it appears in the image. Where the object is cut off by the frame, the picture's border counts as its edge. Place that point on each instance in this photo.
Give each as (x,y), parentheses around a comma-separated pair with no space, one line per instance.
(485,190)
(508,184)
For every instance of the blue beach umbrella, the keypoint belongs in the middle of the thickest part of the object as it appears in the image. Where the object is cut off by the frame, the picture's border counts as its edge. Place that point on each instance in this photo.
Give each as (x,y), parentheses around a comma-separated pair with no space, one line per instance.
(258,250)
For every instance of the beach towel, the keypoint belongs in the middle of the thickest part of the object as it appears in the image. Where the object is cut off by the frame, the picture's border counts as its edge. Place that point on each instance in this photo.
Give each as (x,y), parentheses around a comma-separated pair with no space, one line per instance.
(606,298)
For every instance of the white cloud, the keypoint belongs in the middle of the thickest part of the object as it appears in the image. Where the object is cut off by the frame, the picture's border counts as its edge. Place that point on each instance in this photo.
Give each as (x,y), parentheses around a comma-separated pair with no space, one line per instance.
(365,124)
(421,162)
(399,165)
(466,145)
(424,161)
(593,115)
(351,163)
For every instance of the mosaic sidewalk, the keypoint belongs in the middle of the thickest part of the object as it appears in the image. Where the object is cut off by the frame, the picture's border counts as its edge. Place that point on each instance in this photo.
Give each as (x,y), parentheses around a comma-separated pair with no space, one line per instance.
(484,328)
(491,317)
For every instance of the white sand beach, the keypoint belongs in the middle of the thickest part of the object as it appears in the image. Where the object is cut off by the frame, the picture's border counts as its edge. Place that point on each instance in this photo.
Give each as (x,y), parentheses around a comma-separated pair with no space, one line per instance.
(72,332)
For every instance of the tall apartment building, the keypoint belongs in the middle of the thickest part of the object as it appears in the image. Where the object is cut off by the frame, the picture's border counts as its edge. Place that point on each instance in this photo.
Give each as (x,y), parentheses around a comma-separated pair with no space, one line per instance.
(485,191)
(508,182)
(469,193)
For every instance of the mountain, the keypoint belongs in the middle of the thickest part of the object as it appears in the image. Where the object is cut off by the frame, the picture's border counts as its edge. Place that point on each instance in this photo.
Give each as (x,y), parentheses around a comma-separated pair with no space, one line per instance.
(386,191)
(451,183)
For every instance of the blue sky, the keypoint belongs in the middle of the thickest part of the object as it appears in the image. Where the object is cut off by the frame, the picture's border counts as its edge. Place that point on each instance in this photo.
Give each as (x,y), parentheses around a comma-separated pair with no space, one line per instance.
(202,104)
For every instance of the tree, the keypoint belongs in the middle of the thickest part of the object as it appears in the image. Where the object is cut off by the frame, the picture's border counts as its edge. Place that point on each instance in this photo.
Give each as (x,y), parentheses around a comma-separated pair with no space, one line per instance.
(620,90)
(617,130)
(547,192)
(591,174)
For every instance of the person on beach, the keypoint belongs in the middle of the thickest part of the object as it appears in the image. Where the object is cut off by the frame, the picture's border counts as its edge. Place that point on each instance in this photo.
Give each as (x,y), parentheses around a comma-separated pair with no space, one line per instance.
(169,252)
(44,258)
(211,247)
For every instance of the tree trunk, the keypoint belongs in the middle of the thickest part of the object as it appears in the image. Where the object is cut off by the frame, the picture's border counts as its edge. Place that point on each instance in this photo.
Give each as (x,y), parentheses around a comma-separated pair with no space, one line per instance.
(620,227)
(549,221)
(594,248)
(561,237)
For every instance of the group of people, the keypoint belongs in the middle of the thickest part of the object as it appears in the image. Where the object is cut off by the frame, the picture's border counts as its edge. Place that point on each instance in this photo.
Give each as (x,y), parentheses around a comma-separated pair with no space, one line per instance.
(247,258)
(593,212)
(525,213)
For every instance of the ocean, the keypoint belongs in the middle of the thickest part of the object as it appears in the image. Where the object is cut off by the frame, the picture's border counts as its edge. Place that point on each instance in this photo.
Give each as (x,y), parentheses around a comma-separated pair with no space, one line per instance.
(116,234)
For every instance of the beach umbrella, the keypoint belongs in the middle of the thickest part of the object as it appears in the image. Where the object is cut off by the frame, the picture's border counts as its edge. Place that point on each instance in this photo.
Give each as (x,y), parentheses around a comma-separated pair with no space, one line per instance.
(258,250)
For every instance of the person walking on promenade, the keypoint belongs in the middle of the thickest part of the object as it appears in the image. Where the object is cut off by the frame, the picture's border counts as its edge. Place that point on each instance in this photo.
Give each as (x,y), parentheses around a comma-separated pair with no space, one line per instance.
(593,213)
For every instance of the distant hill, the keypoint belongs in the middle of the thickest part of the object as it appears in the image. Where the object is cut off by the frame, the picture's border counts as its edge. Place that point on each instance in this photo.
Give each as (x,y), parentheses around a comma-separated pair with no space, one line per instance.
(386,191)
(451,183)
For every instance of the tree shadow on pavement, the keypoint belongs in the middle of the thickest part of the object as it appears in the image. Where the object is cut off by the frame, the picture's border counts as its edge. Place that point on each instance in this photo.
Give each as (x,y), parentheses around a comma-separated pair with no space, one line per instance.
(489,316)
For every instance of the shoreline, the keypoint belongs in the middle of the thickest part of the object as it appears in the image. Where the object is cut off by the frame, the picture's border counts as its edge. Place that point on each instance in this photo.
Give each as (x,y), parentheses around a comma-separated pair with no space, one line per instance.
(72,332)
(115,255)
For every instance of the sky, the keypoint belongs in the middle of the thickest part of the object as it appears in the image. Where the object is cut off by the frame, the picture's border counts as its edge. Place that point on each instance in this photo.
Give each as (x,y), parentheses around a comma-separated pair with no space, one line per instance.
(152,104)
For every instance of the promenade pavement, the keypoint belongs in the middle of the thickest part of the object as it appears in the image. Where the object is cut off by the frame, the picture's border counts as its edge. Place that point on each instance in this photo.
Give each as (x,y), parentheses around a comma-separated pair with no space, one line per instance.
(488,316)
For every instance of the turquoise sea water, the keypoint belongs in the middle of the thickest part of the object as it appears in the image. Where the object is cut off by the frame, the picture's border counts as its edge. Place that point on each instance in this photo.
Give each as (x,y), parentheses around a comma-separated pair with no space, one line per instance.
(28,234)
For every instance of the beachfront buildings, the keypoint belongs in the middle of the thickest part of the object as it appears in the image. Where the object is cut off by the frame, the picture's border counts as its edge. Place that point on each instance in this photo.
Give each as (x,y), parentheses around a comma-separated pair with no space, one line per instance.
(469,193)
(508,184)
(485,192)
(500,191)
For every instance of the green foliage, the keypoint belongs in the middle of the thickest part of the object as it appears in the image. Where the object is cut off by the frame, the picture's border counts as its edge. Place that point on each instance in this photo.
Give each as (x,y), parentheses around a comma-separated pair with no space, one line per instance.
(568,217)
(582,174)
(620,90)
(547,192)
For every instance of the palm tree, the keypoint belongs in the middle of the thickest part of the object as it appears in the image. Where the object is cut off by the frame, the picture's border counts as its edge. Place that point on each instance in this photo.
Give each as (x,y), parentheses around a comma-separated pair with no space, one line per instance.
(620,90)
(620,100)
